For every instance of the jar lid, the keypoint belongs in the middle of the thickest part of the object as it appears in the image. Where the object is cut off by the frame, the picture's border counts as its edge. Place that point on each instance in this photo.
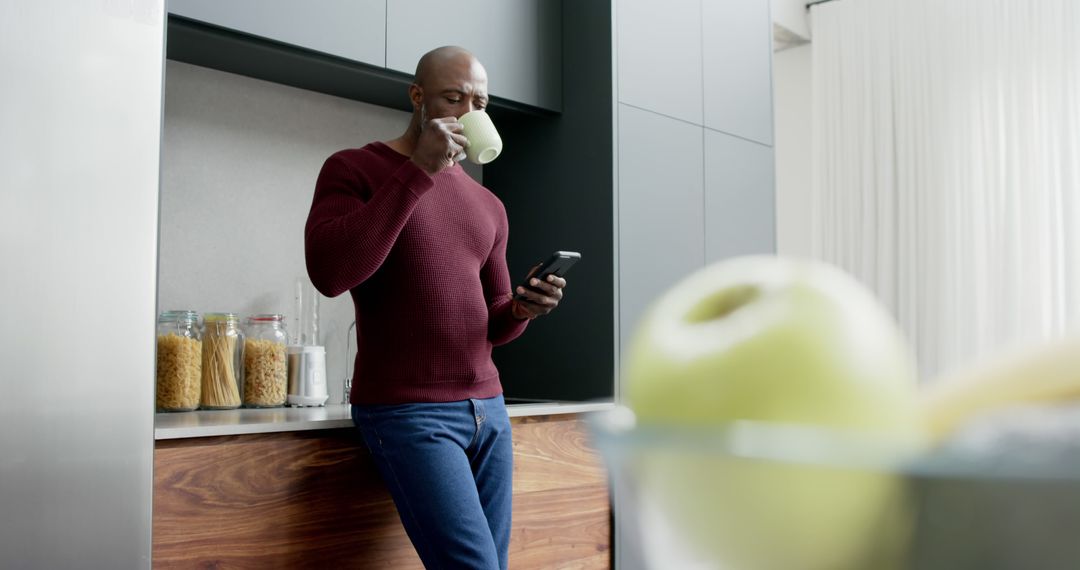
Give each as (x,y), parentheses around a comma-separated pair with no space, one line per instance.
(266,318)
(178,315)
(219,317)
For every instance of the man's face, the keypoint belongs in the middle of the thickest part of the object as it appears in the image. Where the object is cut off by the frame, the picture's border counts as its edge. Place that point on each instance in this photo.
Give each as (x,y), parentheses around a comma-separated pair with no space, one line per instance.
(453,89)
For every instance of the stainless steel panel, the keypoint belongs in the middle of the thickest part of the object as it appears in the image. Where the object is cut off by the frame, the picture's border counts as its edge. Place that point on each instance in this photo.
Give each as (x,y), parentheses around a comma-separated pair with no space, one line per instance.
(740,199)
(354,29)
(737,50)
(518,41)
(661,222)
(659,56)
(80,125)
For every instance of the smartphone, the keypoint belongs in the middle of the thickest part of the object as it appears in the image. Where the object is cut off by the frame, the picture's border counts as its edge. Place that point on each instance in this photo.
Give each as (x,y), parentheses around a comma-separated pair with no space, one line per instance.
(558,264)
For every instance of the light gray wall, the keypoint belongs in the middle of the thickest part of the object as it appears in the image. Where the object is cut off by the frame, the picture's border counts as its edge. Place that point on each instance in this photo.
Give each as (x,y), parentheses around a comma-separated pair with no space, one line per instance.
(80,133)
(239,165)
(794,150)
(793,16)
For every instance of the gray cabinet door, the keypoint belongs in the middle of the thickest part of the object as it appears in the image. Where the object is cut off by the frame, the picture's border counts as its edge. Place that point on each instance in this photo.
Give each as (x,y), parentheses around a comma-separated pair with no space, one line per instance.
(518,41)
(740,213)
(661,223)
(659,56)
(77,417)
(737,68)
(353,29)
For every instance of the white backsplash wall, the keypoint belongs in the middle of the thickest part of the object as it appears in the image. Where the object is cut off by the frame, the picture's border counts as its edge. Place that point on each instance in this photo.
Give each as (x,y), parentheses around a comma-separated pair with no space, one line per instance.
(239,161)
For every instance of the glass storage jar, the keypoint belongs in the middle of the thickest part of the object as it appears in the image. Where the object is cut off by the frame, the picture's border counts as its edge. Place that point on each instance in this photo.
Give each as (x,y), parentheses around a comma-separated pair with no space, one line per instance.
(222,362)
(179,362)
(265,363)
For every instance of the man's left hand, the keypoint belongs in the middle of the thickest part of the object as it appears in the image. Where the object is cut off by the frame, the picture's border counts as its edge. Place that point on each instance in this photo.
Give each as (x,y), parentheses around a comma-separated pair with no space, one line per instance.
(540,302)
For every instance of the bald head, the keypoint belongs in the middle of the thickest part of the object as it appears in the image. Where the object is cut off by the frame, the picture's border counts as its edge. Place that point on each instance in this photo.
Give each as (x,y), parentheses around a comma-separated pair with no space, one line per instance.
(439,62)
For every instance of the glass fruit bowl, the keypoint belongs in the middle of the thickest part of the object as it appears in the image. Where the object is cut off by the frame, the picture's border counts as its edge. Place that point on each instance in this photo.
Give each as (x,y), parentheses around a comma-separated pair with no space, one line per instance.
(1002,493)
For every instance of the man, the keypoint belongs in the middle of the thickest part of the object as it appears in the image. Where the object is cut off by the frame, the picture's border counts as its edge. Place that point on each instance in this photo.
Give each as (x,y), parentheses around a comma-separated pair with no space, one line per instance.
(421,247)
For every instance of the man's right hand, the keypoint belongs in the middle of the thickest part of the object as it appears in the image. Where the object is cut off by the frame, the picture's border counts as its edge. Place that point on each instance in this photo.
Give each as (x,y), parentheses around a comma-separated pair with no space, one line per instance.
(440,142)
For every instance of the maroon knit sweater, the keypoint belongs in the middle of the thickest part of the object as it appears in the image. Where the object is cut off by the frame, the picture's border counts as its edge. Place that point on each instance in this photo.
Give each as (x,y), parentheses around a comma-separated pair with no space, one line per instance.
(424,258)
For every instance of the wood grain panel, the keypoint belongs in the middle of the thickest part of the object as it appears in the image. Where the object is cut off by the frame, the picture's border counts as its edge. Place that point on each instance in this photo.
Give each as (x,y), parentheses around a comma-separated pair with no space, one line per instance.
(553,452)
(273,501)
(315,500)
(561,528)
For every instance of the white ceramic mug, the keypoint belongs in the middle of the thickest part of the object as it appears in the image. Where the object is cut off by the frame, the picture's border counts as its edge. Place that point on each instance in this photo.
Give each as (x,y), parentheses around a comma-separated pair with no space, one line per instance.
(484,141)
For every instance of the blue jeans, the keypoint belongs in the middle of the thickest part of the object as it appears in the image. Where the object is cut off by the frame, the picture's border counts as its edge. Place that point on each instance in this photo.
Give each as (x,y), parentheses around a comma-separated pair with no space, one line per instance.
(449,468)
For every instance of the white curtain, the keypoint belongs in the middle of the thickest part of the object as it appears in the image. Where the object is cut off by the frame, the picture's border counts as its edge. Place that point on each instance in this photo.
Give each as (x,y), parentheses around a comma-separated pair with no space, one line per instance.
(947,165)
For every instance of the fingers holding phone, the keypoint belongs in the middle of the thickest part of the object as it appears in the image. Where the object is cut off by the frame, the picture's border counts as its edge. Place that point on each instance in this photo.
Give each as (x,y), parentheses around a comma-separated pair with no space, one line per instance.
(539,298)
(542,292)
(543,287)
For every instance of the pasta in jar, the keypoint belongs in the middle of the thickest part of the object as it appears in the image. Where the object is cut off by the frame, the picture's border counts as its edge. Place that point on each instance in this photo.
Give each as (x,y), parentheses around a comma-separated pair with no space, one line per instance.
(179,363)
(265,361)
(222,362)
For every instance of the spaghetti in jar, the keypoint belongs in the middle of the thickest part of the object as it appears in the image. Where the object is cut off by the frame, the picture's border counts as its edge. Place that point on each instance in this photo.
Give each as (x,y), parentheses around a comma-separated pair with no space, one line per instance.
(222,362)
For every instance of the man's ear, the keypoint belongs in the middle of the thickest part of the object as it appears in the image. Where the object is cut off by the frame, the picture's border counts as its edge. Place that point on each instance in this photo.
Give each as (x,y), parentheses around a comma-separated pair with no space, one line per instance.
(416,95)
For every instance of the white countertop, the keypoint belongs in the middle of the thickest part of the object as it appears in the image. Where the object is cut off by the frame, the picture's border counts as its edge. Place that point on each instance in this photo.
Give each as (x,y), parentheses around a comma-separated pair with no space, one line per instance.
(210,423)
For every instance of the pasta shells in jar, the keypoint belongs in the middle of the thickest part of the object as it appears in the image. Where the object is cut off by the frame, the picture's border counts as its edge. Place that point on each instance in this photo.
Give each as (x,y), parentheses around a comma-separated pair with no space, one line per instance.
(265,361)
(179,362)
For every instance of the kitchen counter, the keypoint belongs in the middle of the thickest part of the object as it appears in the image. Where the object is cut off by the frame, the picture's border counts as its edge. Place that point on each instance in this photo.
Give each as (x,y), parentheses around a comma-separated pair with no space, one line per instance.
(211,423)
(296,488)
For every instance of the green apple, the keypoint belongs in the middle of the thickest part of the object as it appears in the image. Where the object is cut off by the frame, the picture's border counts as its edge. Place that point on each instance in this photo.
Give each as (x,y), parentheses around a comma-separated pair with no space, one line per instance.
(777,341)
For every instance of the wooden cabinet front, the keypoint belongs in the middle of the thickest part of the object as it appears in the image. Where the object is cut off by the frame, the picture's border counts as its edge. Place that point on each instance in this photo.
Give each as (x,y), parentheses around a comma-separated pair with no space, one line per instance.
(314,500)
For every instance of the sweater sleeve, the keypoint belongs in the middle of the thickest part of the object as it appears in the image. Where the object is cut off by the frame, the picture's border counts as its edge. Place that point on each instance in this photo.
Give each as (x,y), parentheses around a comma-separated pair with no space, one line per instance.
(351,228)
(503,327)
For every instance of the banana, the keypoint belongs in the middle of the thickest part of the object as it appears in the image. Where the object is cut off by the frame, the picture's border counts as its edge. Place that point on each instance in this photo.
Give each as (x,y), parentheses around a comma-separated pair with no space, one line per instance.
(1044,374)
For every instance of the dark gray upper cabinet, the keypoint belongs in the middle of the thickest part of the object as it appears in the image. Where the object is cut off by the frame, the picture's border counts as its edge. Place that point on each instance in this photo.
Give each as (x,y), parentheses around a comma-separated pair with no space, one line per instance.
(738,68)
(518,41)
(353,29)
(659,56)
(740,214)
